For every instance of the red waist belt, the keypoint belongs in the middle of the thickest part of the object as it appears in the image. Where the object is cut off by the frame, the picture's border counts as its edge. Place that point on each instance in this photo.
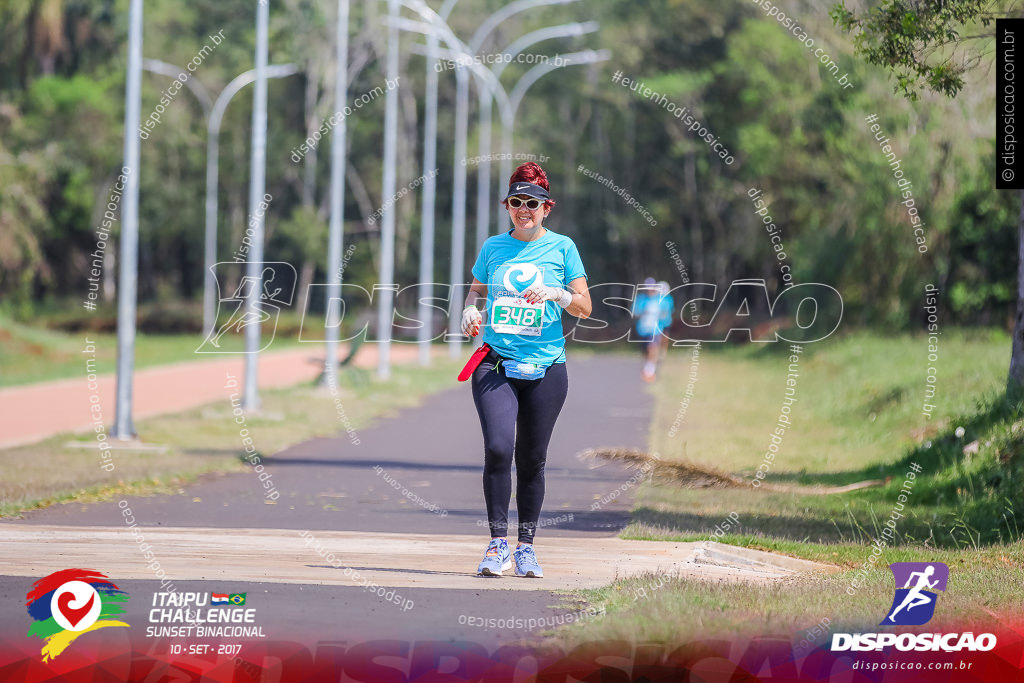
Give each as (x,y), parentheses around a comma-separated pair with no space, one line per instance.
(474,361)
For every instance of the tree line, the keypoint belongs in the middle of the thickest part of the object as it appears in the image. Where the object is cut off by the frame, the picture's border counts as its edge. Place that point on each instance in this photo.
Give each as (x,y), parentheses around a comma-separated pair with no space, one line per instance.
(802,144)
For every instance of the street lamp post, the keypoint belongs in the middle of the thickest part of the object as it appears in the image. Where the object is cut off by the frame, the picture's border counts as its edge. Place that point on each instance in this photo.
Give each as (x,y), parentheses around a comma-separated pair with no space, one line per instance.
(212,169)
(127,286)
(337,225)
(385,304)
(164,69)
(483,171)
(257,189)
(425,316)
(458,245)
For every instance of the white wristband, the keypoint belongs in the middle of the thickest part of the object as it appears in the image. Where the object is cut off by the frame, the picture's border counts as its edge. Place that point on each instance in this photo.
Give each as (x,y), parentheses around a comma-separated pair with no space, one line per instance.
(564,299)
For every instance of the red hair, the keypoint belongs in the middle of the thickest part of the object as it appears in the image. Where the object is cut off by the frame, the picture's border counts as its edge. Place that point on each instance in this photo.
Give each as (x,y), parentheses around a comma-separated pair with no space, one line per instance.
(530,172)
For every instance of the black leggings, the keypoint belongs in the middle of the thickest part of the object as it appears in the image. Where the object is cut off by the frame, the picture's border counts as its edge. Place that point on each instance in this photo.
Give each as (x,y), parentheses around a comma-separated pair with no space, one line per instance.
(517,417)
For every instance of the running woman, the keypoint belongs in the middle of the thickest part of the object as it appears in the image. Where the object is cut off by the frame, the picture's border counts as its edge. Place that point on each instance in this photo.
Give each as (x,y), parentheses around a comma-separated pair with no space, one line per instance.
(653,313)
(519,388)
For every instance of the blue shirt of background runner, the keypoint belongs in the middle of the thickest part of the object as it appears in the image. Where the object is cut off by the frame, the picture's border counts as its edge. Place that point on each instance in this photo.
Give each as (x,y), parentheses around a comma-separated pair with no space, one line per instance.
(654,313)
(558,261)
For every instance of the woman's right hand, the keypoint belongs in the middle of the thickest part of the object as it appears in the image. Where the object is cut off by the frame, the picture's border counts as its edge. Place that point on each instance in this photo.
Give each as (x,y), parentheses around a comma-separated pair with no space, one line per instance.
(471,321)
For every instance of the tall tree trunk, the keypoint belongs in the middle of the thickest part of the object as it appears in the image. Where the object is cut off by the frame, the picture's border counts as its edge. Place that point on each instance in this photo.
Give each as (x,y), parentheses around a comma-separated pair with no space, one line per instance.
(305,280)
(362,197)
(312,124)
(409,157)
(696,236)
(109,268)
(574,129)
(1016,378)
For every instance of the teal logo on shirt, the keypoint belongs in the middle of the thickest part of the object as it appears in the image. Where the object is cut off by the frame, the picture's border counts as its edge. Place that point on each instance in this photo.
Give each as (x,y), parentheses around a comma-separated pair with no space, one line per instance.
(520,276)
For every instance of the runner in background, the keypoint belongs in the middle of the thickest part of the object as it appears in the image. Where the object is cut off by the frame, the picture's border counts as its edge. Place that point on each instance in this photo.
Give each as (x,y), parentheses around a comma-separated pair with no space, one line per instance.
(526,277)
(652,310)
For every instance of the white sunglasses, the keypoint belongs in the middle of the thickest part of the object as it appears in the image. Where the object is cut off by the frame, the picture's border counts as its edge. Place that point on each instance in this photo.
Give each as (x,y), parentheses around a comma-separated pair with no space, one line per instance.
(531,204)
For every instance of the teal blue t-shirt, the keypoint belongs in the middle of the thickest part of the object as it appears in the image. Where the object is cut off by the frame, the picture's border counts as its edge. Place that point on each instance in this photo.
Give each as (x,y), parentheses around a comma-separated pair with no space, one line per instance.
(653,313)
(525,332)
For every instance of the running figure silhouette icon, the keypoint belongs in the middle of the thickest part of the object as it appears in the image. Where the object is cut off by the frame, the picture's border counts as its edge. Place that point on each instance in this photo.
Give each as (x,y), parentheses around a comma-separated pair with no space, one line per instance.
(914,601)
(256,300)
(248,313)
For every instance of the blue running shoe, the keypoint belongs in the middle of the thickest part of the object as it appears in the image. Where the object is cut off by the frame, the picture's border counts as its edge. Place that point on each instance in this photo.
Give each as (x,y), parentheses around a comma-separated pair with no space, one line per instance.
(496,560)
(526,562)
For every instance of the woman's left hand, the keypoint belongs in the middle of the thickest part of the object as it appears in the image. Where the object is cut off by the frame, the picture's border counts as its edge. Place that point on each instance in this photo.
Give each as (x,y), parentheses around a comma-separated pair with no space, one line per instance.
(538,293)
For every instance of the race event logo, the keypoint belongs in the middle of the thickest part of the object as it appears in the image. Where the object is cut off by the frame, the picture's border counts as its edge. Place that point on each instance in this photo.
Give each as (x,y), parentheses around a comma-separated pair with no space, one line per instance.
(70,603)
(192,615)
(914,604)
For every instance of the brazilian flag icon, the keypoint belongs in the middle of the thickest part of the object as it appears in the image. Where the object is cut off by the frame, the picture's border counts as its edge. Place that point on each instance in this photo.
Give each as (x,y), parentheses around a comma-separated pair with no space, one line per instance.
(237,598)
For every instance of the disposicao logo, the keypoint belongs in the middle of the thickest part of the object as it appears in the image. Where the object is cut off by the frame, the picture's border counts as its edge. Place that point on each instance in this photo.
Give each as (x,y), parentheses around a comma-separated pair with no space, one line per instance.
(69,603)
(913,604)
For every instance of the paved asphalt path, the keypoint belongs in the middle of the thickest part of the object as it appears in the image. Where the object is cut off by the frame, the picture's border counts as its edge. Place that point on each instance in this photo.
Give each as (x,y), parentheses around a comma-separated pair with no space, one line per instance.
(433,450)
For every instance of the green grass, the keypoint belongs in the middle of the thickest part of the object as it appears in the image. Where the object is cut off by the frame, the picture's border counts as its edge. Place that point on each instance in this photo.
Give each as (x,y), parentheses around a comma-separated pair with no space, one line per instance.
(984,588)
(858,416)
(206,439)
(859,400)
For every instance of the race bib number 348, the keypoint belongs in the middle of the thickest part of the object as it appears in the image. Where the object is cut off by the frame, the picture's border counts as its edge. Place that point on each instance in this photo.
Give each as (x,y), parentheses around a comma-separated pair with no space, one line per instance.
(513,315)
